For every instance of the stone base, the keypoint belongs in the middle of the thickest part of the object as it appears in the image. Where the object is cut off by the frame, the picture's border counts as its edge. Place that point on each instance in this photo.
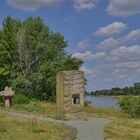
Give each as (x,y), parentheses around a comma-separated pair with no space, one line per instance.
(75,116)
(7,101)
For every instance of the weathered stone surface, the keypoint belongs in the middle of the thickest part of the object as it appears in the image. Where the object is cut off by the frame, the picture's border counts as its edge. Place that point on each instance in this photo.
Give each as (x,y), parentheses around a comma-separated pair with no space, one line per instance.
(67,99)
(73,77)
(7,95)
(71,91)
(69,84)
(72,86)
(74,81)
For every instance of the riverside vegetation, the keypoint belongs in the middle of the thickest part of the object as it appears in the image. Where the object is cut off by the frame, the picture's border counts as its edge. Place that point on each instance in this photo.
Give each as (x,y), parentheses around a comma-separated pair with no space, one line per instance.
(125,123)
(31,55)
(11,128)
(133,90)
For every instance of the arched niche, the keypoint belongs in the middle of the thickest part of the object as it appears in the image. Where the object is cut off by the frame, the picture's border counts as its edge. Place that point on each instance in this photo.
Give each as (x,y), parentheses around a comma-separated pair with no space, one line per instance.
(76,99)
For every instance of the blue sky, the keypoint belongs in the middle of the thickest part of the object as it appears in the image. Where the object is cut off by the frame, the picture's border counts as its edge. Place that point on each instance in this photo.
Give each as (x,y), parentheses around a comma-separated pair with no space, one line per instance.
(103,33)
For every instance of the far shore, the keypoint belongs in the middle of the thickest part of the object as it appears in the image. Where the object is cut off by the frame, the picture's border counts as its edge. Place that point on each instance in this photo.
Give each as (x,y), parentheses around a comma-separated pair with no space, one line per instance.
(116,96)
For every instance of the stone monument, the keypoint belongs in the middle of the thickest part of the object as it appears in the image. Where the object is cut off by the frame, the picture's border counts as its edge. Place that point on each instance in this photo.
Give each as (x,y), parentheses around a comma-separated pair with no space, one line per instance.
(7,96)
(70,90)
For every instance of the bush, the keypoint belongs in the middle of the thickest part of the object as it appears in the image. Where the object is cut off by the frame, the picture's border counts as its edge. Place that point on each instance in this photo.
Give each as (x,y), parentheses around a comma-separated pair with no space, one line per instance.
(34,102)
(87,103)
(21,99)
(130,105)
(1,101)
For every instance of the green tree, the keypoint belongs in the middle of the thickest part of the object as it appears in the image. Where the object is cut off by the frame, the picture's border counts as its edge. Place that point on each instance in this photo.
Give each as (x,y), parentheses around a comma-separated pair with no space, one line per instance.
(8,47)
(31,56)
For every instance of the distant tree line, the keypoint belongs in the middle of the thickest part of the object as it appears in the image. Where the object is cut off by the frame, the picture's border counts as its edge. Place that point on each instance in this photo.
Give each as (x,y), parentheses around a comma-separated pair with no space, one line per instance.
(30,56)
(133,90)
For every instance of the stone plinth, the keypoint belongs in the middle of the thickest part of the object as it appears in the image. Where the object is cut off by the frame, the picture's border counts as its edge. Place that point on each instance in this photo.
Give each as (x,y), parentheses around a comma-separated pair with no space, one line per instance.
(70,91)
(7,96)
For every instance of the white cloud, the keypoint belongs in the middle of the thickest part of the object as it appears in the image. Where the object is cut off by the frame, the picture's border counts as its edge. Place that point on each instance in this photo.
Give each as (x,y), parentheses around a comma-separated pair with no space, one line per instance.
(126,53)
(123,8)
(112,42)
(88,55)
(109,42)
(86,70)
(32,5)
(124,59)
(121,76)
(111,29)
(133,35)
(118,70)
(83,44)
(81,5)
(128,65)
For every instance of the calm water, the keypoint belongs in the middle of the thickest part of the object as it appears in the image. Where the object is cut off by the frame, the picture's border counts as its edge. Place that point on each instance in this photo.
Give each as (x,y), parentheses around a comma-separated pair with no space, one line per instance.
(103,101)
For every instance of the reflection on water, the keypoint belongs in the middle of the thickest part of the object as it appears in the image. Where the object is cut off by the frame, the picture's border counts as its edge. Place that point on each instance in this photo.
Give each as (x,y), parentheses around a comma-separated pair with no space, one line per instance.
(103,101)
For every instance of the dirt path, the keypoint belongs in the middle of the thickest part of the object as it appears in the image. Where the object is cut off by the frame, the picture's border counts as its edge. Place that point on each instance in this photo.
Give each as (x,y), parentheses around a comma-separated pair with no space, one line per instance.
(87,130)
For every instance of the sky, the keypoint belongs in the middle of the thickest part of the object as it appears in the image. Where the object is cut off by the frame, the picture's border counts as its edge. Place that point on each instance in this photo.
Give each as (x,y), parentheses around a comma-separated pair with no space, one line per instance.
(105,34)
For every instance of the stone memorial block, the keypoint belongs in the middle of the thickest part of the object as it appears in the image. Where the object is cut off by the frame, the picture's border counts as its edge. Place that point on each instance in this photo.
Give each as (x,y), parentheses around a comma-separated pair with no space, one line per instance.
(70,91)
(7,95)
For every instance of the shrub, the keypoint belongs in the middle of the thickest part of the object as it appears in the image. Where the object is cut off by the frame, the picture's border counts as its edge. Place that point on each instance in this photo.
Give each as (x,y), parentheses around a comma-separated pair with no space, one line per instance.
(87,103)
(2,129)
(34,102)
(130,105)
(1,101)
(21,99)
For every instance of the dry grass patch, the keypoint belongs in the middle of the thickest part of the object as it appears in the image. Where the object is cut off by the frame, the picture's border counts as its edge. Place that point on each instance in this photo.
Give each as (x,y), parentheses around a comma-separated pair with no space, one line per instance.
(15,128)
(121,128)
(38,108)
(104,112)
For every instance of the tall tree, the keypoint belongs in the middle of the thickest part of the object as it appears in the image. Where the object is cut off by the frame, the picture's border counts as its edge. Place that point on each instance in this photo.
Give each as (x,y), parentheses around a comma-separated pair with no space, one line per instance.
(31,56)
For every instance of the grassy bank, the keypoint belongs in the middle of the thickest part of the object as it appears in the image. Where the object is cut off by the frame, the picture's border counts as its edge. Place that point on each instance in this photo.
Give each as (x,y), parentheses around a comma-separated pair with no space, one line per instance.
(38,108)
(15,128)
(122,126)
(123,129)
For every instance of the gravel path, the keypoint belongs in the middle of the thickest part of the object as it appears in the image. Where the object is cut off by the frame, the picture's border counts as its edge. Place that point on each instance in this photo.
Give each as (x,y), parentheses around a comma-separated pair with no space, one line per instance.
(87,130)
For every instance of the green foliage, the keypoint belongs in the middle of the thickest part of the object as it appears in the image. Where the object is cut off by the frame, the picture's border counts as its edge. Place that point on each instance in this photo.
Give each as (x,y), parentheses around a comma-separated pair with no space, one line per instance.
(130,105)
(31,55)
(87,103)
(133,90)
(2,129)
(21,99)
(37,130)
(15,128)
(1,101)
(34,126)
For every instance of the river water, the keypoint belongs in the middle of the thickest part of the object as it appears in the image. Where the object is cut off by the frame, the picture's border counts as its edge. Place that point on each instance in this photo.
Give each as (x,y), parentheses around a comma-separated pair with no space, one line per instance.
(103,101)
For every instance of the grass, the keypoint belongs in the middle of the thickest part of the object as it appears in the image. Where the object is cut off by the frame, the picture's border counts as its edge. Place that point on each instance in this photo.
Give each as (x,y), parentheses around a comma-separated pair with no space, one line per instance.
(122,126)
(123,129)
(15,128)
(38,108)
(104,112)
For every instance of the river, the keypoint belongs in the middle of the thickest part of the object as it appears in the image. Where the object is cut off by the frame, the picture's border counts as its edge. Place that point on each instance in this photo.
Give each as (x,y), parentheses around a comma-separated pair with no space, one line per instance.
(103,101)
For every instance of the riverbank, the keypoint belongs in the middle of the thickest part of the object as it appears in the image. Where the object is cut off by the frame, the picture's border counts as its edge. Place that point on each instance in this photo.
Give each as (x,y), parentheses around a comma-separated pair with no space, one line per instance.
(87,130)
(17,127)
(114,96)
(122,127)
